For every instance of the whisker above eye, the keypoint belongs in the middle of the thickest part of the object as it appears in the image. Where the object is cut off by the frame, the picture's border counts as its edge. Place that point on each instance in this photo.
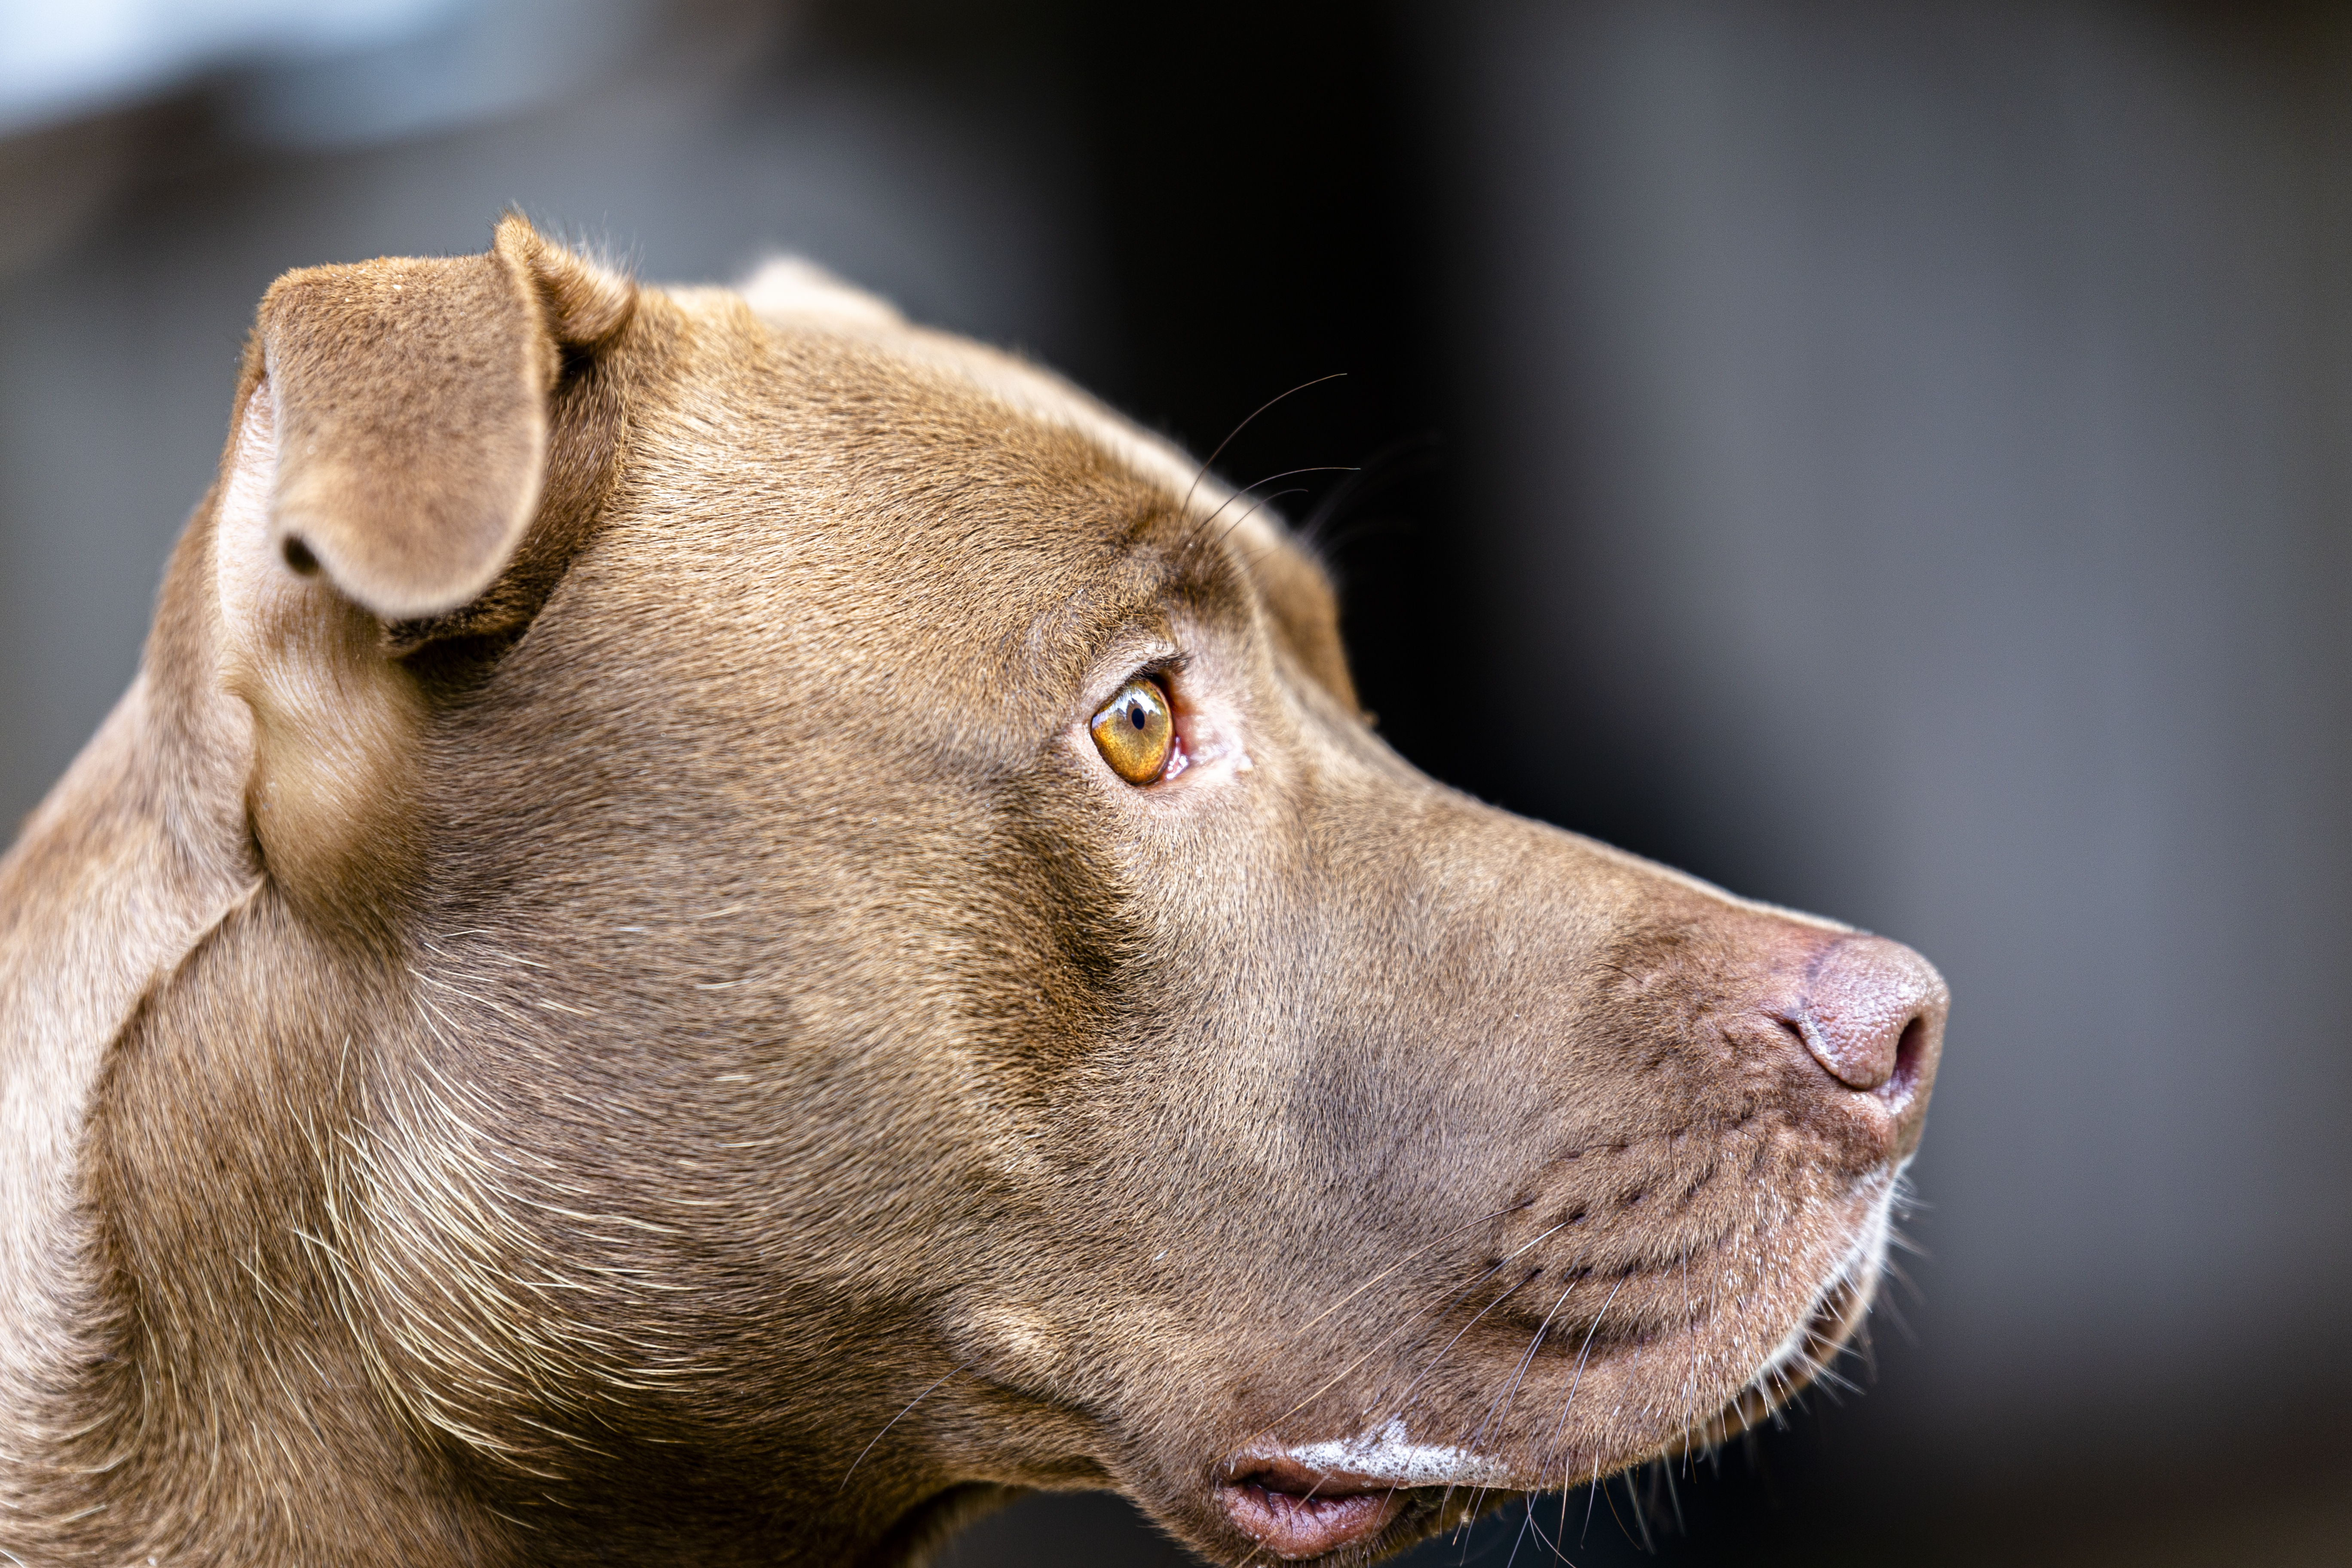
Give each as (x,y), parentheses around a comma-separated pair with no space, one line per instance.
(1211,462)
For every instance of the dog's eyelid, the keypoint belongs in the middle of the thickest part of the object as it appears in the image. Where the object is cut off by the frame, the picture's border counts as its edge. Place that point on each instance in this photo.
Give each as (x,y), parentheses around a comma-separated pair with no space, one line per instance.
(1161,669)
(1156,659)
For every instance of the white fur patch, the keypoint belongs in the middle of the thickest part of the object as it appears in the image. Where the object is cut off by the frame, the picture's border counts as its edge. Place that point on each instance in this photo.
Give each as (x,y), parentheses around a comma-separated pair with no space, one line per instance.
(1390,1455)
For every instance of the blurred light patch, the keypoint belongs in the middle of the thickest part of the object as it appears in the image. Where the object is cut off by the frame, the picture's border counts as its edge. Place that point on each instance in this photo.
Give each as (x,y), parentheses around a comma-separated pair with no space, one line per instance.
(303,73)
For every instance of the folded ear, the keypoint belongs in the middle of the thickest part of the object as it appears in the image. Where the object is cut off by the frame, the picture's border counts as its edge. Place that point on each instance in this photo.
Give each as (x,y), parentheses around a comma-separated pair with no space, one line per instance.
(411,405)
(382,492)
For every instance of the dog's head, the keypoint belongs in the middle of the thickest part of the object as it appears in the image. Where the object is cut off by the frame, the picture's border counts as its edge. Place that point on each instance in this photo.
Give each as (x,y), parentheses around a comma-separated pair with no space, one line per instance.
(869,952)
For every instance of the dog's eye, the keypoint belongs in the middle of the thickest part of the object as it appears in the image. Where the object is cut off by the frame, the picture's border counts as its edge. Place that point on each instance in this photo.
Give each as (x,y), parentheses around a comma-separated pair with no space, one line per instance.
(1136,732)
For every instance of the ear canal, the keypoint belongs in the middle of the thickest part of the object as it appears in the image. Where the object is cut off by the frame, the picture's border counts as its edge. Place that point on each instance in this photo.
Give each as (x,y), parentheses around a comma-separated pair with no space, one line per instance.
(412,407)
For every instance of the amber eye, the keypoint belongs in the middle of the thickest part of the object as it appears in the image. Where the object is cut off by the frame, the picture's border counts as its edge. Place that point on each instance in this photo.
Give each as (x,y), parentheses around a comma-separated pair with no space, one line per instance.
(1136,732)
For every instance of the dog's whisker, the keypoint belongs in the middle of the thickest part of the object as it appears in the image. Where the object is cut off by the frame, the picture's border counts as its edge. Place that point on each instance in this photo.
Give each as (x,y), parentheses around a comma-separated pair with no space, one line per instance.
(1394,1334)
(911,1404)
(1256,506)
(1551,1544)
(1211,462)
(1591,1491)
(1388,463)
(1502,1402)
(1577,1381)
(1406,1261)
(1268,500)
(1519,1538)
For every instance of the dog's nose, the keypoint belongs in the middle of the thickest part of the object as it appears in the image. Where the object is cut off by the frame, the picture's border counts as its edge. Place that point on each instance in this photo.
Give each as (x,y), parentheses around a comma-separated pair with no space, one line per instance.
(1872,1014)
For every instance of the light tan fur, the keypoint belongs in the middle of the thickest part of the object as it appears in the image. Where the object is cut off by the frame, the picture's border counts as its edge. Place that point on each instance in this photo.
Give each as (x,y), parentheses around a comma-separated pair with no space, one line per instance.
(595,999)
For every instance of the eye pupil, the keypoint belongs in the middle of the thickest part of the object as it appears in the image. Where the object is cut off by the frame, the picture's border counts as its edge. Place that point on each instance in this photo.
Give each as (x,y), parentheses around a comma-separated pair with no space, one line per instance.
(1136,715)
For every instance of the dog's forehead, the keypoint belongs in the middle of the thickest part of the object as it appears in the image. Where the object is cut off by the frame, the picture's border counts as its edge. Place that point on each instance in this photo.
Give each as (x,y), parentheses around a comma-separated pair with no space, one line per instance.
(957,378)
(794,299)
(881,498)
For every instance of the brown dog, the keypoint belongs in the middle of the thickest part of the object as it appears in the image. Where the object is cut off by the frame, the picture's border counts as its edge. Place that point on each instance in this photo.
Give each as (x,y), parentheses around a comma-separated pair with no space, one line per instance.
(719,930)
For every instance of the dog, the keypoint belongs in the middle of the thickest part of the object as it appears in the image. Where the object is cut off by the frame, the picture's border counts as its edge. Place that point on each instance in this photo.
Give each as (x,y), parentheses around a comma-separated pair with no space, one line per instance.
(721,930)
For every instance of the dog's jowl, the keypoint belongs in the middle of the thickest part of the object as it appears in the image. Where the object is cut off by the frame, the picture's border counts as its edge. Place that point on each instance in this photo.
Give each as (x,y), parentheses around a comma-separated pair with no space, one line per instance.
(720,930)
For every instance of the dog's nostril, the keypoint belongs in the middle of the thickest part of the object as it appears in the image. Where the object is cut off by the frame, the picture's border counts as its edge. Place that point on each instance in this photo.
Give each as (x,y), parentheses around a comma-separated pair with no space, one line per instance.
(1873,1014)
(1909,1052)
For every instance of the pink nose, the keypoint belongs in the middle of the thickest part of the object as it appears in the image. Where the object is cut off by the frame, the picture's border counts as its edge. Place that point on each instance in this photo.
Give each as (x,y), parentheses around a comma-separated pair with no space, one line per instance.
(1874,1016)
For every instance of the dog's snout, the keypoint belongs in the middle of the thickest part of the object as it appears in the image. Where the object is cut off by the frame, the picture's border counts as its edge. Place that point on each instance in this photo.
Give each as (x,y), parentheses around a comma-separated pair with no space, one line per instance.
(1873,1014)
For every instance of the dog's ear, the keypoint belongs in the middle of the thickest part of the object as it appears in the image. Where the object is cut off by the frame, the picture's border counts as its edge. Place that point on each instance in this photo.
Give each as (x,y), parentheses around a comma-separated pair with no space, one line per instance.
(411,405)
(418,448)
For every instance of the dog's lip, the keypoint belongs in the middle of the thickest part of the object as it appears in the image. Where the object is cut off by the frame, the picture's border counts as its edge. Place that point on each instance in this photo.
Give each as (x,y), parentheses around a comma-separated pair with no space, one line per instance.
(1307,1500)
(1292,1514)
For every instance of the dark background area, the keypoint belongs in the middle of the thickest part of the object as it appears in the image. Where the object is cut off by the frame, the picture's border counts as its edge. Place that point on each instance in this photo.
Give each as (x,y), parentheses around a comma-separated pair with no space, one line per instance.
(1894,461)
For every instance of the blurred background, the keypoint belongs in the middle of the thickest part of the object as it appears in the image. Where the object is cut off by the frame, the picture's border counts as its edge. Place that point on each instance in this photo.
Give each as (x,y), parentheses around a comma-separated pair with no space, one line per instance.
(1905,451)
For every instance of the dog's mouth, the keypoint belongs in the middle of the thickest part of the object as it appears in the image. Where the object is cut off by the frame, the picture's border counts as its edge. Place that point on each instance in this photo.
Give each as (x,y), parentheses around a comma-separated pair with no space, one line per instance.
(1292,1516)
(1303,1502)
(1307,1501)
